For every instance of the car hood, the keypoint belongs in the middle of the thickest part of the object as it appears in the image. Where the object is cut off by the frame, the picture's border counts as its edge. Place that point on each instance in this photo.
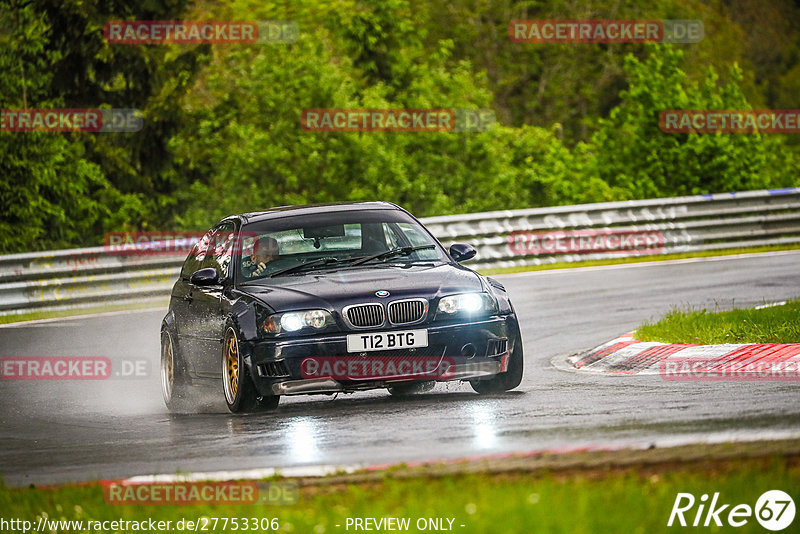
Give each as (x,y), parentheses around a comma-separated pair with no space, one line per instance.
(336,289)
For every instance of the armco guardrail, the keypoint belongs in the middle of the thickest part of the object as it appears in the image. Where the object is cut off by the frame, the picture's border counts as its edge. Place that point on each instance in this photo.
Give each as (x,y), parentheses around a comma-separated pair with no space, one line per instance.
(93,276)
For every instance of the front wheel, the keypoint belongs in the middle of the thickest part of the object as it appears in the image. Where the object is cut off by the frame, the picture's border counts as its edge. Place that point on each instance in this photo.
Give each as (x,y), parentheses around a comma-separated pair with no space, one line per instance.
(240,392)
(510,379)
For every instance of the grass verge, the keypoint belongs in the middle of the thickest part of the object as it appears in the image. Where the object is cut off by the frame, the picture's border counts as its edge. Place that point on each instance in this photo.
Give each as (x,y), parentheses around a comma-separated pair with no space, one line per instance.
(635,499)
(89,310)
(773,324)
(640,259)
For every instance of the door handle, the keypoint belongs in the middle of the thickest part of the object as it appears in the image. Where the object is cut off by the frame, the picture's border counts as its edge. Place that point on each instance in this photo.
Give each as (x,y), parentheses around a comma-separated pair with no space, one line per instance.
(188,297)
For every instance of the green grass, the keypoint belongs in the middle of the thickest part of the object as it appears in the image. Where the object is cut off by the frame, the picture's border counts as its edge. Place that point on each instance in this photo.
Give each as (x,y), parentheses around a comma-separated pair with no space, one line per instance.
(775,324)
(639,259)
(597,501)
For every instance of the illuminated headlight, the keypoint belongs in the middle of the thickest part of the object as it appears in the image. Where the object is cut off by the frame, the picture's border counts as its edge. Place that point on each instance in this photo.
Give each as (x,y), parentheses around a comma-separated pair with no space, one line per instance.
(468,304)
(296,321)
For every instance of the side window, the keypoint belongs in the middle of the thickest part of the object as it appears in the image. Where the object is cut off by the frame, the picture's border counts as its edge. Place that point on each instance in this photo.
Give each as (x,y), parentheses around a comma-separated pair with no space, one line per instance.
(215,249)
(222,253)
(197,256)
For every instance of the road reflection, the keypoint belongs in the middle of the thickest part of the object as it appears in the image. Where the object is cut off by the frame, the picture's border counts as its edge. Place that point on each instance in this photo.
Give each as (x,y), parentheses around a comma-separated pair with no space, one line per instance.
(483,425)
(302,440)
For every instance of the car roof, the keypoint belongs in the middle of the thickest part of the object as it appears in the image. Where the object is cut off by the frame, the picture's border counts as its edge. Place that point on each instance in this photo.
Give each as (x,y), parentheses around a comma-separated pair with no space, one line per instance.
(310,209)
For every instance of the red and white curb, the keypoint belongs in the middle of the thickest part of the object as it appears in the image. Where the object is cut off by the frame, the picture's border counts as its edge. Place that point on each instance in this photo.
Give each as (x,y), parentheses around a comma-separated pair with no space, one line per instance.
(753,361)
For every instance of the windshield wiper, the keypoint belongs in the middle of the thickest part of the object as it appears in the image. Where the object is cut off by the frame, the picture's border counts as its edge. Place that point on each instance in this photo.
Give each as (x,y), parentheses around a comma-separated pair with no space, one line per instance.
(385,255)
(328,260)
(314,263)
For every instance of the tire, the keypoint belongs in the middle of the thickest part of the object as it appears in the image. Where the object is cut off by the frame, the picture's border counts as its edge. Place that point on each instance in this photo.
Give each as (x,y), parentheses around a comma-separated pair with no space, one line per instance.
(507,380)
(404,390)
(175,384)
(237,385)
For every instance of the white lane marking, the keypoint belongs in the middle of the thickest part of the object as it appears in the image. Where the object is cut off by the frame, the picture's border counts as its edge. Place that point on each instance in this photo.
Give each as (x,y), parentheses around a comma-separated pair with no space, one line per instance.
(80,317)
(770,305)
(648,264)
(247,474)
(323,470)
(40,325)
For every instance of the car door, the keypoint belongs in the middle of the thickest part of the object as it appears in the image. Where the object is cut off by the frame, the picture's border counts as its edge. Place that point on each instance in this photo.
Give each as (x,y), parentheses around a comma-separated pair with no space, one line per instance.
(207,306)
(183,293)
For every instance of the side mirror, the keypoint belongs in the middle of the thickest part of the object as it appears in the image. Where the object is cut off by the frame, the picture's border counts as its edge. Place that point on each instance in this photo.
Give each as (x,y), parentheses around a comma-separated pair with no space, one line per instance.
(205,277)
(462,252)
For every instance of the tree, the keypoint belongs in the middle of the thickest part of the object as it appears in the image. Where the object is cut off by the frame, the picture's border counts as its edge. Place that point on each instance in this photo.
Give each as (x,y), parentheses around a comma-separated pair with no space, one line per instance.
(51,196)
(631,153)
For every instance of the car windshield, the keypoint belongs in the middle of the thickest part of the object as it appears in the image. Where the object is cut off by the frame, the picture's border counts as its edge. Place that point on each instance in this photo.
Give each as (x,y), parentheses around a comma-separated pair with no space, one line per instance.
(348,239)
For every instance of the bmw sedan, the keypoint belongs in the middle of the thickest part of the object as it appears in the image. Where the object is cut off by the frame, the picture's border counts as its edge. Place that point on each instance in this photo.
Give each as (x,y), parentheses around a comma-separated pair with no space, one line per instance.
(327,299)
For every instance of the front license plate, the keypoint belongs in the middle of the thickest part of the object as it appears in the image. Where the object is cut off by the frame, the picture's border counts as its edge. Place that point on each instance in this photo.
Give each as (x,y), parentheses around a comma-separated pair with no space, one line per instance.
(406,339)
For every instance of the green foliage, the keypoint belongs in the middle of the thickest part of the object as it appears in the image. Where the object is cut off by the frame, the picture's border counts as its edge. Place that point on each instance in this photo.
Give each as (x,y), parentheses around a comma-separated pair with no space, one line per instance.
(61,190)
(631,153)
(49,193)
(578,123)
(264,159)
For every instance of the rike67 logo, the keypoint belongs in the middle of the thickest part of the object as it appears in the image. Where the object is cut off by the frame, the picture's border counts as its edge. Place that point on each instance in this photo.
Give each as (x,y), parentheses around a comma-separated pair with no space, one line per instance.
(774,510)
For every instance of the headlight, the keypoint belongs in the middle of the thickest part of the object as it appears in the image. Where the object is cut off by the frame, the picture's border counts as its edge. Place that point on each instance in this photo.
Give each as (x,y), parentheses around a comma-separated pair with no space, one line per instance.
(295,321)
(468,304)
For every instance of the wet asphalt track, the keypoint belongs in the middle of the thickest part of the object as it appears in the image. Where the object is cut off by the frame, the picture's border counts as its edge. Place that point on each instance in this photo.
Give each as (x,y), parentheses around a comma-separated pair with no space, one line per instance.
(62,431)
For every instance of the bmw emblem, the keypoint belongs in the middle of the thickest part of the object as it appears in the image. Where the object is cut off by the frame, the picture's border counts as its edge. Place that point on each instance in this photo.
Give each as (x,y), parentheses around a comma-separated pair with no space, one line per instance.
(382,293)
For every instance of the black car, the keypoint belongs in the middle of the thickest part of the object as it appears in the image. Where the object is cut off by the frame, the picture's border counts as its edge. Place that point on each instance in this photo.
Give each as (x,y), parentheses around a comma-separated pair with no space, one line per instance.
(332,298)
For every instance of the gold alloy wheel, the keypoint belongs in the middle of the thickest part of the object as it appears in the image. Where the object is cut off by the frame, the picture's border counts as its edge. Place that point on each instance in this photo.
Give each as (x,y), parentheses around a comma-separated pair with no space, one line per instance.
(167,367)
(231,366)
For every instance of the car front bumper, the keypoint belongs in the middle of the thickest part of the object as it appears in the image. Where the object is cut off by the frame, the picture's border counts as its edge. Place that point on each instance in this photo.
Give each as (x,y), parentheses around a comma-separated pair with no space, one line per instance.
(470,351)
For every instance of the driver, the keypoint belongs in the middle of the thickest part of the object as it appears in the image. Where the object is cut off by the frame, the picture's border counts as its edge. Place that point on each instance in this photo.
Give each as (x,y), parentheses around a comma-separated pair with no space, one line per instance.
(265,250)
